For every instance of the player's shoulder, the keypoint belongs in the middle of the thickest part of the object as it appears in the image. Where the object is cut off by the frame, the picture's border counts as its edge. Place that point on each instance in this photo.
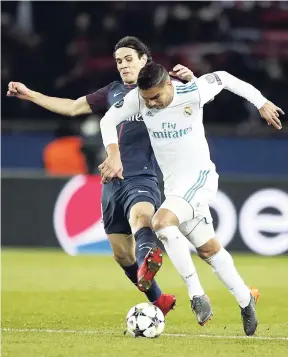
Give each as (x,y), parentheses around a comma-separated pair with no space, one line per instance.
(106,89)
(114,85)
(120,87)
(187,92)
(184,88)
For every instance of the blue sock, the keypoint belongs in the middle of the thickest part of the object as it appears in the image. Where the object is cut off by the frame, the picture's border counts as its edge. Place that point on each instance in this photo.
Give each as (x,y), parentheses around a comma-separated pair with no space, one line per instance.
(154,292)
(145,240)
(131,272)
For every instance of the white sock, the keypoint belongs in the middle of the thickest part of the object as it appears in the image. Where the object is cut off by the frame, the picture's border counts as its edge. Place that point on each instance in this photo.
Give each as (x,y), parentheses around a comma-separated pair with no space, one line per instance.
(178,251)
(223,266)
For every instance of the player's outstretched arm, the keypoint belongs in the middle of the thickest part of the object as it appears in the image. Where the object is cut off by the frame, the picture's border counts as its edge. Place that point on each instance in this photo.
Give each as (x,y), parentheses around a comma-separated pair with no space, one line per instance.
(211,84)
(125,108)
(61,106)
(270,113)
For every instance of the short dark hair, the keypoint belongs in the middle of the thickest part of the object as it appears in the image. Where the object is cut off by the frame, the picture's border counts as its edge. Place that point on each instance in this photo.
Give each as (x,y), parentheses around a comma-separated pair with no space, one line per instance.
(135,44)
(152,75)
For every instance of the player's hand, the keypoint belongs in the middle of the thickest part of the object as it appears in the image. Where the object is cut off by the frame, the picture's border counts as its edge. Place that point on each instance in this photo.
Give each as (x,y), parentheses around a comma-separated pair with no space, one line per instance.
(270,112)
(18,90)
(182,73)
(110,168)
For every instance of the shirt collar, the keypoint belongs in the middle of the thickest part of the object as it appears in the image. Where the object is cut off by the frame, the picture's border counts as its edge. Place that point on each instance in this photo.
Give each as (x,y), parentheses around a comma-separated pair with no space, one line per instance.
(129,86)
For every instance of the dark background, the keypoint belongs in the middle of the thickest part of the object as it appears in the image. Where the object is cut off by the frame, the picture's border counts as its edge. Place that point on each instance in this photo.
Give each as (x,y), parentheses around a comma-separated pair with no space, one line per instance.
(65,49)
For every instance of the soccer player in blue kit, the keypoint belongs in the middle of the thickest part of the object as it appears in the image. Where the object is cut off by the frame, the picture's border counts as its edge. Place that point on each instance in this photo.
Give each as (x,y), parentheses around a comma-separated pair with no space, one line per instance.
(128,205)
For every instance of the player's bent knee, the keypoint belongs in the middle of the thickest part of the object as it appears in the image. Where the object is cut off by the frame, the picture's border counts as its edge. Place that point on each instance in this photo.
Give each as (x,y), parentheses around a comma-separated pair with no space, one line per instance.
(141,216)
(159,224)
(200,232)
(139,221)
(210,248)
(164,218)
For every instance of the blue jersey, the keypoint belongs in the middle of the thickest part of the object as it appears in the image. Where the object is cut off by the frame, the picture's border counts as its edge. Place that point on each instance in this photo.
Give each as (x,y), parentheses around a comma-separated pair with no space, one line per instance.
(136,152)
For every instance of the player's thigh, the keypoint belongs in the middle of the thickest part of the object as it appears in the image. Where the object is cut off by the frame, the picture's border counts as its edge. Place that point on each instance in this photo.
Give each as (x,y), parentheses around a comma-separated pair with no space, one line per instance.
(199,230)
(142,199)
(173,211)
(113,215)
(184,198)
(123,246)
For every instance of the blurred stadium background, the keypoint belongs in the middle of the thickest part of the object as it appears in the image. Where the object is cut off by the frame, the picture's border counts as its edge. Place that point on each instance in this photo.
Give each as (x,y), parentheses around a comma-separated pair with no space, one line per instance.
(64,49)
(73,57)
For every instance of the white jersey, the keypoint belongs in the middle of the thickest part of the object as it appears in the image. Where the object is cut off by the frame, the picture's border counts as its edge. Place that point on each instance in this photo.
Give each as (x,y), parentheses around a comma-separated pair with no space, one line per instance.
(177,135)
(176,132)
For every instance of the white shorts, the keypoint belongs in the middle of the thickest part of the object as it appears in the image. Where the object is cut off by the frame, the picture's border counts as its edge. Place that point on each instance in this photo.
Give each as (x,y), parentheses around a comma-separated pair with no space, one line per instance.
(187,195)
(191,206)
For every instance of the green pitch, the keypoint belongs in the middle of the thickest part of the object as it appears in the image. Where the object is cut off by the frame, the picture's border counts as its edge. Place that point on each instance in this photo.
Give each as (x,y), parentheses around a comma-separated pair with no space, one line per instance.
(55,305)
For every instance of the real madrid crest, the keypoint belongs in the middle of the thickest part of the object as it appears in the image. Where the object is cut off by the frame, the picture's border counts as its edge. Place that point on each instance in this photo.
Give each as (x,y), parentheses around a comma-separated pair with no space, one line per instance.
(187,111)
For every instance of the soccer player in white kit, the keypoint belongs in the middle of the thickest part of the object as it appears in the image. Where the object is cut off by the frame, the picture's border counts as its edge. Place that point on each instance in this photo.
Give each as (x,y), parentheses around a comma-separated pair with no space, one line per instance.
(173,115)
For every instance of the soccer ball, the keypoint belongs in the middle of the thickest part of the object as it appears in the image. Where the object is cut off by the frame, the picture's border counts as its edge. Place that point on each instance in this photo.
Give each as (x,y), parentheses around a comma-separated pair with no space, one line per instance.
(145,320)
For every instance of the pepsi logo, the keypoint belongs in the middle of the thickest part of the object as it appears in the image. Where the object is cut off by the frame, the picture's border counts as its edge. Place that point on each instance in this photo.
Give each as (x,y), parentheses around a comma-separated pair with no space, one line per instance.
(77,216)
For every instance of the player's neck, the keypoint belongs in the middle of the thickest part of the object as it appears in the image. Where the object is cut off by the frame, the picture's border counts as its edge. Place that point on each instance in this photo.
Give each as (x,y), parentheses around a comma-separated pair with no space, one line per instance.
(130,85)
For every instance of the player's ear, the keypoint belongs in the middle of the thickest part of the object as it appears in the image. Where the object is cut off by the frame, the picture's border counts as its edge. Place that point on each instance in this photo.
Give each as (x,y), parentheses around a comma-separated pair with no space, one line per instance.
(143,60)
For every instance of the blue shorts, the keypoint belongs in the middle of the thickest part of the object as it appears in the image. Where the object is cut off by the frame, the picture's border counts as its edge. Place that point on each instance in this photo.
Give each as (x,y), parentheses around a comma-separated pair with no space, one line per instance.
(119,196)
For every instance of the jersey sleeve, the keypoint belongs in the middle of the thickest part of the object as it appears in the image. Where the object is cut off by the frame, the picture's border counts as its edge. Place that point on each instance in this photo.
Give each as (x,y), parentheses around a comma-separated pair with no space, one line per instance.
(119,112)
(212,84)
(98,99)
